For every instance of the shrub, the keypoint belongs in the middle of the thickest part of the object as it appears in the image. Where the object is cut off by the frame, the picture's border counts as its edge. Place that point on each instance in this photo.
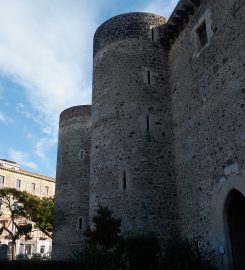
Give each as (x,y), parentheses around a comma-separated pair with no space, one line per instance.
(183,254)
(141,251)
(107,229)
(102,243)
(93,257)
(37,265)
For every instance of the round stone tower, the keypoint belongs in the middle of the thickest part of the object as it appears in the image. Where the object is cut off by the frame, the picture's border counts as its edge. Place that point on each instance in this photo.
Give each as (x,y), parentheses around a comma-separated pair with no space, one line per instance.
(131,146)
(72,181)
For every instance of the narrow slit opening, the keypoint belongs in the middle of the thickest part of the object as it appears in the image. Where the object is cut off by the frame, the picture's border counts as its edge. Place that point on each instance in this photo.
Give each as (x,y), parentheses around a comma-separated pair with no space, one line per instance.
(202,35)
(80,223)
(147,123)
(152,34)
(124,180)
(149,77)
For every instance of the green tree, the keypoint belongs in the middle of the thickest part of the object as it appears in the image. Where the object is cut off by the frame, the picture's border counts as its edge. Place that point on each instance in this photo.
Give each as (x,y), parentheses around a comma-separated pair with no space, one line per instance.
(25,209)
(15,225)
(106,231)
(40,211)
(103,242)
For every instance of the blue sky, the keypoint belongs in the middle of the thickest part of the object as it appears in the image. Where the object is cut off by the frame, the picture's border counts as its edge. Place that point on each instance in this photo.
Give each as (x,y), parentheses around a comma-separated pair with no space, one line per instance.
(46,67)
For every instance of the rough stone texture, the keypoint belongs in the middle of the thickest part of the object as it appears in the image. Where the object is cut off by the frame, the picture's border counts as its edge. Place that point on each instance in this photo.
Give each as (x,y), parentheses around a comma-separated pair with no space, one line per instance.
(208,105)
(122,101)
(169,151)
(126,26)
(72,180)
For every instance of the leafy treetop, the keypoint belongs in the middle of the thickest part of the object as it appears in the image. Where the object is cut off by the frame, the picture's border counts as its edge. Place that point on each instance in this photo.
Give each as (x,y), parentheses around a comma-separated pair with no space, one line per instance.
(107,229)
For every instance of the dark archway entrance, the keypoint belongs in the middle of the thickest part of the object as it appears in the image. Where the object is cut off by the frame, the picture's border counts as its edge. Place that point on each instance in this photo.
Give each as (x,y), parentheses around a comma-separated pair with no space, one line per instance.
(236,223)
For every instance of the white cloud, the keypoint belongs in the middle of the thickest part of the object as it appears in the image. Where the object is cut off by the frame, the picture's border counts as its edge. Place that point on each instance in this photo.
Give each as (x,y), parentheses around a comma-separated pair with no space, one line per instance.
(42,149)
(46,47)
(161,7)
(5,119)
(21,158)
(22,109)
(42,146)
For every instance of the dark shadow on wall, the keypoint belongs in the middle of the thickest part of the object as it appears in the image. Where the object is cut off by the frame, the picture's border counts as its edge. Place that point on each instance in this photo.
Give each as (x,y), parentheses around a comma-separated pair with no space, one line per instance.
(235,219)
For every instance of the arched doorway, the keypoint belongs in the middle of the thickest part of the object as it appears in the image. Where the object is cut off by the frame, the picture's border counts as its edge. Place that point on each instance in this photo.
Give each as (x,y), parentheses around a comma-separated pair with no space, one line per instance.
(236,224)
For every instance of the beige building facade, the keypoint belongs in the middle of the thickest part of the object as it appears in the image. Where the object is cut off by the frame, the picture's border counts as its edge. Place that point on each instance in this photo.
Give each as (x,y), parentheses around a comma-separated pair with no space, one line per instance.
(12,176)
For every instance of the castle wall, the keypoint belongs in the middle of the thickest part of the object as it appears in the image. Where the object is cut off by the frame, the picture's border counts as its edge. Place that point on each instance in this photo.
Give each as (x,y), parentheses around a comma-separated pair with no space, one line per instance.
(131,152)
(208,103)
(168,127)
(72,181)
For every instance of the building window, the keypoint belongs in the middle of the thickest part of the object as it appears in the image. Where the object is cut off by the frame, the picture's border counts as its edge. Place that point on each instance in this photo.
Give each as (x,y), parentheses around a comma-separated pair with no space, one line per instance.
(202,35)
(1,181)
(46,191)
(42,249)
(33,187)
(18,184)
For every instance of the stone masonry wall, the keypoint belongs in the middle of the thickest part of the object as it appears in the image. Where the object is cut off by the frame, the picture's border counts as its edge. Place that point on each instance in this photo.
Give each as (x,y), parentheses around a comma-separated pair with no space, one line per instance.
(72,181)
(131,152)
(208,103)
(168,126)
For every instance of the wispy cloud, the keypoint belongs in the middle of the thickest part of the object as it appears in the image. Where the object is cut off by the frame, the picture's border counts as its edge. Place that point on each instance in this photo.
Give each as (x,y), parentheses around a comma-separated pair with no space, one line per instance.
(22,158)
(46,46)
(29,114)
(4,119)
(42,146)
(161,7)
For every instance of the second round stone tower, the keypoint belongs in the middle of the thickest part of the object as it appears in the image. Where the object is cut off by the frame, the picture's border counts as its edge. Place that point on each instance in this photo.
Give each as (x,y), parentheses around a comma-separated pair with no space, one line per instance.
(72,181)
(131,150)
